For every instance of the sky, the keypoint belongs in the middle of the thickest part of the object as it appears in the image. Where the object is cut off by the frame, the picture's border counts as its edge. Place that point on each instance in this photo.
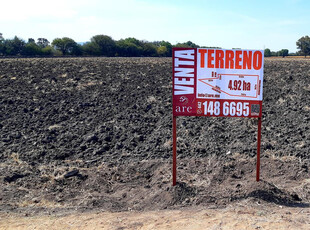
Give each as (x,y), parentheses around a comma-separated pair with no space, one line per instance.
(246,24)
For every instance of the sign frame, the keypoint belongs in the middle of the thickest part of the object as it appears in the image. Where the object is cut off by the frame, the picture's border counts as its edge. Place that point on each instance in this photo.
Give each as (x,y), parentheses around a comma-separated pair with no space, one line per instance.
(188,67)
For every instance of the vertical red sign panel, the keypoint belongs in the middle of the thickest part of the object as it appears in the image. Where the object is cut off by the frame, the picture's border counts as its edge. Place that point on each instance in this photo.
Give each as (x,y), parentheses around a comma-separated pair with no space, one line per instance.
(184,82)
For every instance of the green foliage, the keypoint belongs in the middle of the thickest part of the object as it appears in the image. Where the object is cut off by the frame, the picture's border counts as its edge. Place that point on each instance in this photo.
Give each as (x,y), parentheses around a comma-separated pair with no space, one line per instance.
(77,50)
(283,52)
(162,51)
(13,46)
(103,45)
(65,45)
(267,52)
(47,51)
(149,49)
(134,41)
(31,40)
(58,44)
(1,44)
(90,48)
(56,52)
(17,46)
(129,47)
(43,42)
(187,44)
(31,49)
(168,47)
(303,44)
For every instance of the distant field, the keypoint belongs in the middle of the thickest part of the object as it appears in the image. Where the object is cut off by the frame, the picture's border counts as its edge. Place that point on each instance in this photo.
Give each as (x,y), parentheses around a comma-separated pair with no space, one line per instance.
(289,57)
(85,134)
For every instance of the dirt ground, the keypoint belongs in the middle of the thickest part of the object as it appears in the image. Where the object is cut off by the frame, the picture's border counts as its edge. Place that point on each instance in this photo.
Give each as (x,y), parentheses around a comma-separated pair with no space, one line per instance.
(237,216)
(92,138)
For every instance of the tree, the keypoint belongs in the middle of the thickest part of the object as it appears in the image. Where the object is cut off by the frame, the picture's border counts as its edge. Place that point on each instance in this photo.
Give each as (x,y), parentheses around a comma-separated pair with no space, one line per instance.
(149,49)
(31,49)
(13,46)
(134,41)
(31,40)
(162,51)
(105,44)
(168,47)
(1,44)
(283,52)
(65,45)
(303,44)
(129,47)
(77,50)
(187,44)
(90,48)
(267,52)
(43,42)
(47,51)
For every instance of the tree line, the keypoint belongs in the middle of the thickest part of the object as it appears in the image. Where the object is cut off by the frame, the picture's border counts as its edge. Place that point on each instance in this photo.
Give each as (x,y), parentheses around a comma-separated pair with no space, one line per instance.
(103,45)
(281,53)
(99,45)
(303,44)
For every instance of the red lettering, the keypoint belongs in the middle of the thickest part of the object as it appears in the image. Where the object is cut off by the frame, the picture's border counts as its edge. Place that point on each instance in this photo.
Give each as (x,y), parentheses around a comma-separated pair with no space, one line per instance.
(202,57)
(229,59)
(210,58)
(219,59)
(238,59)
(247,59)
(257,60)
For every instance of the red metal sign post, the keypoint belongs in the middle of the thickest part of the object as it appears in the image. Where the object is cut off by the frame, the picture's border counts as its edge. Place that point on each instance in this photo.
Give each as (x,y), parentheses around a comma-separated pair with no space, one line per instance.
(259,129)
(217,83)
(174,158)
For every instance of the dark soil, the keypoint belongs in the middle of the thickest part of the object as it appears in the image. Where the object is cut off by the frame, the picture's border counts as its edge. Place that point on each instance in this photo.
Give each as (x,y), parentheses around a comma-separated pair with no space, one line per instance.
(85,133)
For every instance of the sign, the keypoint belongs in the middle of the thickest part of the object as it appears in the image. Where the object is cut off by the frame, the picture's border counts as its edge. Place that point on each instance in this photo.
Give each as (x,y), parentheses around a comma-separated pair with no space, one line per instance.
(217,82)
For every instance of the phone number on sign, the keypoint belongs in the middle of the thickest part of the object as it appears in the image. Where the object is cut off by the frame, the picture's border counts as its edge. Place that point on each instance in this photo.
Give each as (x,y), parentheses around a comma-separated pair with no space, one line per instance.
(226,108)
